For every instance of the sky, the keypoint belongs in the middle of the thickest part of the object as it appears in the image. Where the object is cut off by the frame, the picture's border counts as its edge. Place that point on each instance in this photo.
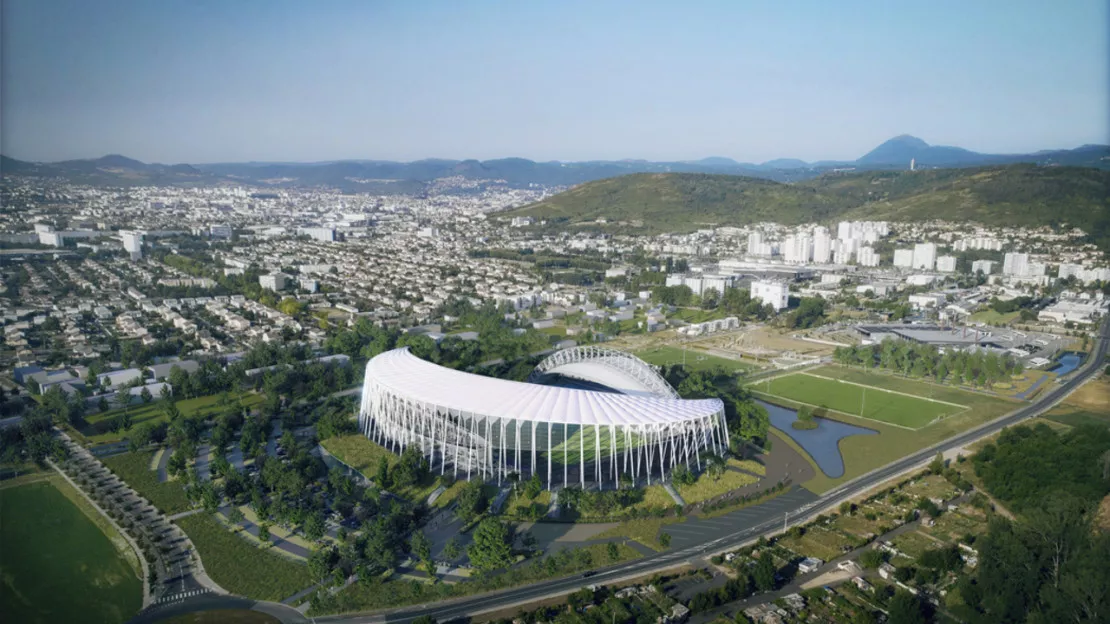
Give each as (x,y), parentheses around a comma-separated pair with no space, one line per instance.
(225,81)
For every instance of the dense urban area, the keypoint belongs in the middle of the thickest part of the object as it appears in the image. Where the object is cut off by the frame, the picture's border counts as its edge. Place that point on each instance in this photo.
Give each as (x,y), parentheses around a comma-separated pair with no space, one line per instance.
(184,364)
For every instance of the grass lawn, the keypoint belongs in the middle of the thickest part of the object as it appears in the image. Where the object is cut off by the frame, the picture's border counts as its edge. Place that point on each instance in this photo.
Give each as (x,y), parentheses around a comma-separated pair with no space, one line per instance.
(583,442)
(364,455)
(705,487)
(991,317)
(240,567)
(873,403)
(913,543)
(750,465)
(643,530)
(695,359)
(694,315)
(134,469)
(864,453)
(56,564)
(97,428)
(450,494)
(1090,404)
(818,542)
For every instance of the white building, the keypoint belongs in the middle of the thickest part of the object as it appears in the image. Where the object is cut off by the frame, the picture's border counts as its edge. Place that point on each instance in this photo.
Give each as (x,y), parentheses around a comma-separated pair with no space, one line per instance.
(755,243)
(924,256)
(132,243)
(775,293)
(986,266)
(322,234)
(822,246)
(903,258)
(521,221)
(1016,264)
(946,264)
(273,281)
(927,300)
(797,249)
(868,257)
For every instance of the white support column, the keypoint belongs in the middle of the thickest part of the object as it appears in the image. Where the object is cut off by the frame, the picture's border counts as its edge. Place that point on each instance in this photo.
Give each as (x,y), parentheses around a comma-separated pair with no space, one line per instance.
(582,454)
(549,486)
(597,454)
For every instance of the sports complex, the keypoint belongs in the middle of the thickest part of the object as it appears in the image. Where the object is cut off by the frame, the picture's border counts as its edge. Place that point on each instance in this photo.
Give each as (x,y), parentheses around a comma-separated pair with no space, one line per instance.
(618,419)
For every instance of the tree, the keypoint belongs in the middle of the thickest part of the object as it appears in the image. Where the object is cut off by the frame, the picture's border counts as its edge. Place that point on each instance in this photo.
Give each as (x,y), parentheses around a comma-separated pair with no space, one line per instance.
(715,466)
(665,540)
(871,559)
(937,465)
(381,477)
(613,551)
(235,516)
(321,561)
(102,404)
(145,395)
(452,549)
(471,501)
(764,573)
(264,533)
(314,526)
(422,548)
(906,608)
(491,549)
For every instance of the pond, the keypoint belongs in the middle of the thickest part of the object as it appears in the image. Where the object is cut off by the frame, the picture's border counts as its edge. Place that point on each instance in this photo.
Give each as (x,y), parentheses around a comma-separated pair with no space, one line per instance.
(821,443)
(1066,364)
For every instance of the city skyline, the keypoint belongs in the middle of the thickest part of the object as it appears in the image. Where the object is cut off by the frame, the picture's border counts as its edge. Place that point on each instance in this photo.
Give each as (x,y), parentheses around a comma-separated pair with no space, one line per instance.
(276,82)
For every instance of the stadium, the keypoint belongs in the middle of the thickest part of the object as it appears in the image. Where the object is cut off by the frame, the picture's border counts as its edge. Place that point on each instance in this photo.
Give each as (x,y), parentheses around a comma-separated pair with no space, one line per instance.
(600,416)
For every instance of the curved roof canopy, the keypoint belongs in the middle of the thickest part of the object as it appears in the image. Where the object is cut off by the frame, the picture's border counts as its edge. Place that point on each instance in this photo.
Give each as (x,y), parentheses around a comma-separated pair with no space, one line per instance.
(407,375)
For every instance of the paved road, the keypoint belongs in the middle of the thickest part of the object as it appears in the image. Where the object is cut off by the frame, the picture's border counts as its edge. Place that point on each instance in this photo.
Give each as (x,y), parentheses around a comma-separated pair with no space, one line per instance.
(747,523)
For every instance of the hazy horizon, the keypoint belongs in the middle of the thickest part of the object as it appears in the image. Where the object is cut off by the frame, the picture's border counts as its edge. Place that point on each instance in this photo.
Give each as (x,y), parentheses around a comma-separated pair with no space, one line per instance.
(176,82)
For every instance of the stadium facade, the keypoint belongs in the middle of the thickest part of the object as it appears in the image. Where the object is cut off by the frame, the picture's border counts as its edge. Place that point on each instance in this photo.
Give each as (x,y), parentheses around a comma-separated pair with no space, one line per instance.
(635,428)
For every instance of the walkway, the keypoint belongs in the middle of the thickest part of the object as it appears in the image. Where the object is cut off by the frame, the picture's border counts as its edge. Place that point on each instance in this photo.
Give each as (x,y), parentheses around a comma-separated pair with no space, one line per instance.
(164,461)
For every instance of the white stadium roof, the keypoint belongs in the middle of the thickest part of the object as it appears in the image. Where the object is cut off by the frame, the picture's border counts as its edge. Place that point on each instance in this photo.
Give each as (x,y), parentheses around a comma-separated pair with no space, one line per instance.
(402,373)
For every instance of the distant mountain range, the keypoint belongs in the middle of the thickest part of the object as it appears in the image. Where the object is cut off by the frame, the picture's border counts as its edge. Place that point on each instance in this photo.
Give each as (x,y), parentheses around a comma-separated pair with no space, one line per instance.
(388,176)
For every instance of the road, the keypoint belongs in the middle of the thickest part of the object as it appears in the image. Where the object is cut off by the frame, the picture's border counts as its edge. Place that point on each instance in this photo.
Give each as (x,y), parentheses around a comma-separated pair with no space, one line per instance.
(804,508)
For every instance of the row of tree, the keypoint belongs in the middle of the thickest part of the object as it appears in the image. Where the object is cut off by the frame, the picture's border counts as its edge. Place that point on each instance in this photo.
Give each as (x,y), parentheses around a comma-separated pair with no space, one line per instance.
(979,368)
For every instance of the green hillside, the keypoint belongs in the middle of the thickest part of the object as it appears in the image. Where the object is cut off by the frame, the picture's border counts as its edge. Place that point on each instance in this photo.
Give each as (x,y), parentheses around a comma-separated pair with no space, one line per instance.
(680,202)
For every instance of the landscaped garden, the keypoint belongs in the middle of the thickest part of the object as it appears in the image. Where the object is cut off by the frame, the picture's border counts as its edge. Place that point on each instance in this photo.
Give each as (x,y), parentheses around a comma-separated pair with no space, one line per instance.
(241,567)
(134,469)
(57,564)
(98,427)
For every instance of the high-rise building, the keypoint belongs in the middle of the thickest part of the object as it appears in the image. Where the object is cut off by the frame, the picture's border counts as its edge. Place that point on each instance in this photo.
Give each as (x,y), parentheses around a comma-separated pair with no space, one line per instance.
(924,256)
(132,243)
(755,243)
(946,264)
(903,258)
(986,266)
(1016,264)
(867,257)
(797,249)
(220,231)
(771,292)
(822,246)
(273,281)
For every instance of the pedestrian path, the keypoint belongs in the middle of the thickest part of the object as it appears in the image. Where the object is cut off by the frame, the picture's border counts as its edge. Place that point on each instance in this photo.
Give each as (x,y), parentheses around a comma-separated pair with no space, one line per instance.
(178,597)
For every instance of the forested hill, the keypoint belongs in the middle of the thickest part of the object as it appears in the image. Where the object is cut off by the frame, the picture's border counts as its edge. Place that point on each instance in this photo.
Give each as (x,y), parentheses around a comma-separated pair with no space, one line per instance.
(1026,195)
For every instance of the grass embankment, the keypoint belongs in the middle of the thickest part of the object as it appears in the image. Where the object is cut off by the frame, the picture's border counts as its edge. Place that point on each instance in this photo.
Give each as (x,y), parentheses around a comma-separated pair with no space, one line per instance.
(695,359)
(363,597)
(1090,404)
(97,427)
(57,564)
(240,567)
(874,402)
(867,452)
(134,469)
(990,317)
(643,530)
(707,487)
(364,455)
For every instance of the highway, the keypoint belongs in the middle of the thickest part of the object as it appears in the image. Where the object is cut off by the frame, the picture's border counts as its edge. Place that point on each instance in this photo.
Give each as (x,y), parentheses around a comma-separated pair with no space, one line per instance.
(799,504)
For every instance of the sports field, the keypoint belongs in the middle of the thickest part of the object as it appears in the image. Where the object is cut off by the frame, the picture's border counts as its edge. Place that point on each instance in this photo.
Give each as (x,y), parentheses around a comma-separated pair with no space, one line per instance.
(896,407)
(862,453)
(56,564)
(695,359)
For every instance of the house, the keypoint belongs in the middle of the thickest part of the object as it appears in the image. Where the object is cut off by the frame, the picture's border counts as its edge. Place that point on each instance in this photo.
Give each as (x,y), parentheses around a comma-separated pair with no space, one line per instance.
(809,564)
(160,371)
(886,571)
(862,585)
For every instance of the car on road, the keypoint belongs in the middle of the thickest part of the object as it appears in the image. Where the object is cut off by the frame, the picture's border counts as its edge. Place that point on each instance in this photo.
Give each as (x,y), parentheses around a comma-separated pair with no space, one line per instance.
(588,573)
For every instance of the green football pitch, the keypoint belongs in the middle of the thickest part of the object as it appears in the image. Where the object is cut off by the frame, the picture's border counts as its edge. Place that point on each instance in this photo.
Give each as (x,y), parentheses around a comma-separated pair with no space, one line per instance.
(858,400)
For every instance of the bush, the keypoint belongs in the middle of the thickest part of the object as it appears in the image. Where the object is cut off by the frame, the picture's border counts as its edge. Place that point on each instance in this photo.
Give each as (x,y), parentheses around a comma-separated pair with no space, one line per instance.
(872,558)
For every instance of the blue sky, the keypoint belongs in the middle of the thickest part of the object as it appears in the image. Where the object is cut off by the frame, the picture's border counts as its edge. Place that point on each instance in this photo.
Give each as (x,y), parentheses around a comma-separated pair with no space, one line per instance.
(234,80)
